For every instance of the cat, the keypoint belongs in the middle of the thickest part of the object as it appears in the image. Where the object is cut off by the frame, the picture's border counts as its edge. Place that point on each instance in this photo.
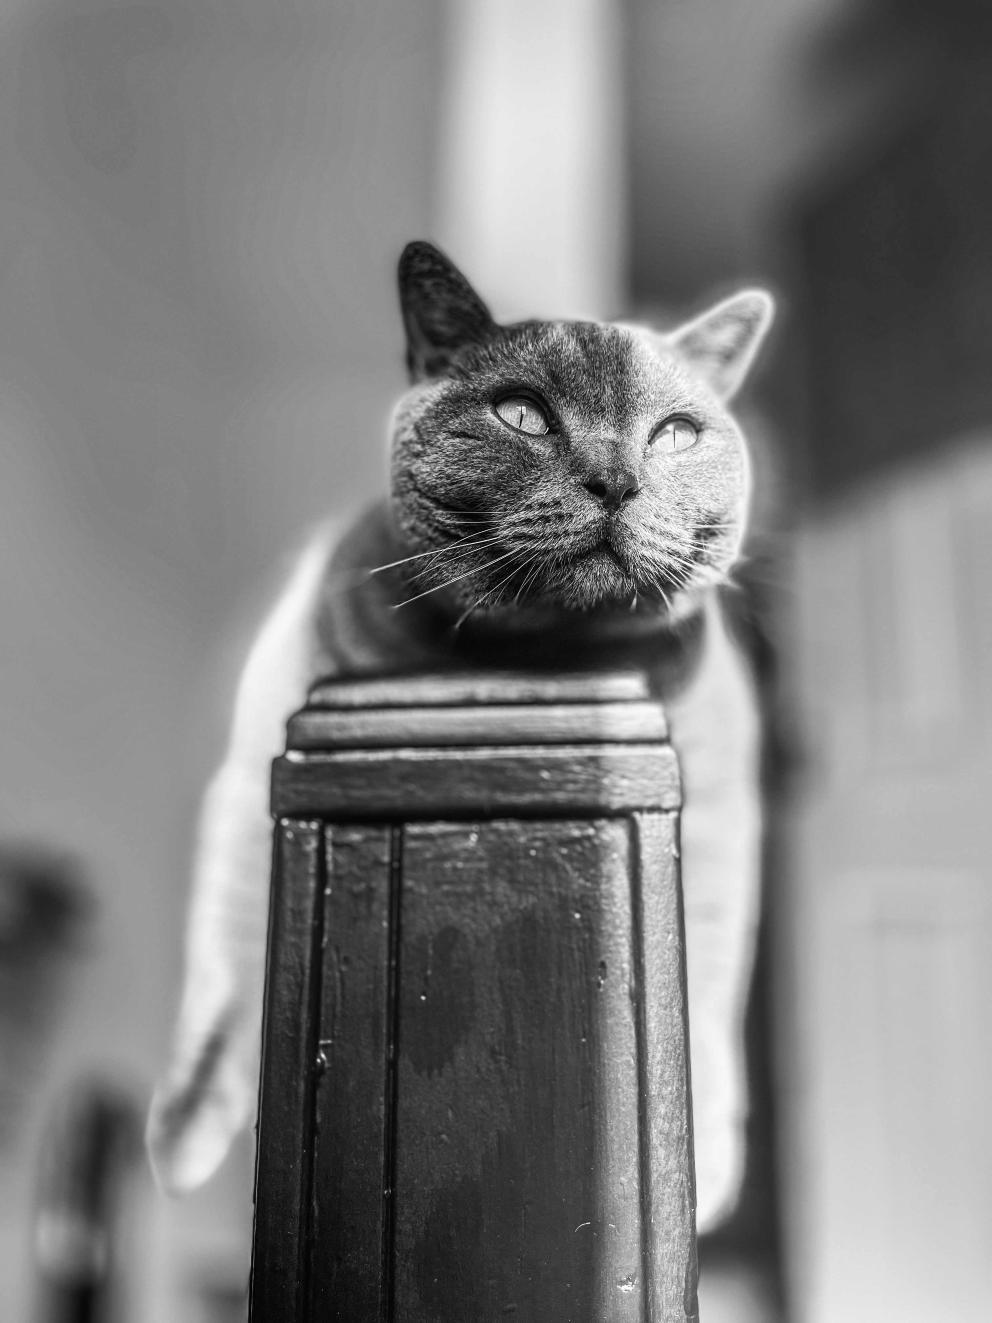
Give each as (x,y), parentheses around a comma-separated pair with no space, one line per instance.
(580,485)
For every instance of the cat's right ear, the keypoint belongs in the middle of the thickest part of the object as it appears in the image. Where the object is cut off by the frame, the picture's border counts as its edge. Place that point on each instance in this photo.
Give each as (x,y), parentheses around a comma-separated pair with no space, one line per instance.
(441,310)
(721,344)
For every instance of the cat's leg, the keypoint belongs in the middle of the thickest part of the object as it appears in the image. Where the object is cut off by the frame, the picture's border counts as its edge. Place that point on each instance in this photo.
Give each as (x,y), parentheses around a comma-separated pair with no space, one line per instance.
(715,731)
(209,1090)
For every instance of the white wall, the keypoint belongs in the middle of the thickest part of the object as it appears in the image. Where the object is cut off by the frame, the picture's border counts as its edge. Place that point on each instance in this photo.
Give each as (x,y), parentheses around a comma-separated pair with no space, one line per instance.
(200,211)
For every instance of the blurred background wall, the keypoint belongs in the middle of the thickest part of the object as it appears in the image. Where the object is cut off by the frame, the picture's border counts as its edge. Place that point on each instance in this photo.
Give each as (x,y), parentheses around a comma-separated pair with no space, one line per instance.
(200,210)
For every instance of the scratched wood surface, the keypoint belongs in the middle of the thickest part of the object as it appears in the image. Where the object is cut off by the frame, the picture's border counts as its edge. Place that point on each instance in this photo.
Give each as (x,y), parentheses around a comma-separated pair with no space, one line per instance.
(475,1097)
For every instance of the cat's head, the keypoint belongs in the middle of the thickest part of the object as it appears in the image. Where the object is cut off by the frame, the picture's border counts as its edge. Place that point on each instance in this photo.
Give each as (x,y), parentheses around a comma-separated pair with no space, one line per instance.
(570,466)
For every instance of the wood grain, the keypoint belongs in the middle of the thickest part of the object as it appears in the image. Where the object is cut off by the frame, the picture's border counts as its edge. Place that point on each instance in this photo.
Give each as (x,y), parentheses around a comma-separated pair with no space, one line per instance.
(666,1115)
(552,780)
(517,1129)
(280,1252)
(456,727)
(475,1092)
(478,688)
(350,1231)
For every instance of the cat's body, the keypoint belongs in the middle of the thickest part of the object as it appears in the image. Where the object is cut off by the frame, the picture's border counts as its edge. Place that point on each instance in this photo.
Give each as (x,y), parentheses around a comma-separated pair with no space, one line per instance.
(561,493)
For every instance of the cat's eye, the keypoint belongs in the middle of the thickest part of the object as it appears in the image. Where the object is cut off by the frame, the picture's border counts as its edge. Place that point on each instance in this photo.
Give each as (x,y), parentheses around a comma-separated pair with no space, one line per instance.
(523,415)
(675,434)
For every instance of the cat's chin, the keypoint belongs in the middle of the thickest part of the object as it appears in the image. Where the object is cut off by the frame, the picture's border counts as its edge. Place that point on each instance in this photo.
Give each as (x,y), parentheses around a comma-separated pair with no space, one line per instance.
(603,573)
(603,582)
(547,634)
(589,613)
(597,594)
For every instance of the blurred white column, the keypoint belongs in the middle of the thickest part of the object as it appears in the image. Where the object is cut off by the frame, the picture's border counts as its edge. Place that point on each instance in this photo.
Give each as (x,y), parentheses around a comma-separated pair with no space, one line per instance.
(532,190)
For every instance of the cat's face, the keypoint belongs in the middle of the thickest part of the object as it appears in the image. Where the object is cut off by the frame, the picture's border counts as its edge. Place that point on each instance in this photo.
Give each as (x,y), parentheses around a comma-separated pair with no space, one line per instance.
(577,466)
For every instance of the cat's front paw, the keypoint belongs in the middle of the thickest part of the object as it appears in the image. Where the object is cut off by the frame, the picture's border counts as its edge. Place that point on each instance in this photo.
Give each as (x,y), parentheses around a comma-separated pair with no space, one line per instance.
(720,1147)
(719,1121)
(197,1110)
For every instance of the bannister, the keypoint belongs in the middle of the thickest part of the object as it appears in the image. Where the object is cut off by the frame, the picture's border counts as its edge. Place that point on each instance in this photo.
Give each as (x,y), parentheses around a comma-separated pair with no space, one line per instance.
(474,1096)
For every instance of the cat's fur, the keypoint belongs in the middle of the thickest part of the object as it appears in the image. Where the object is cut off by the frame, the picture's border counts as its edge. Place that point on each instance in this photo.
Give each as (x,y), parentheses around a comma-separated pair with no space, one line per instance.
(590,544)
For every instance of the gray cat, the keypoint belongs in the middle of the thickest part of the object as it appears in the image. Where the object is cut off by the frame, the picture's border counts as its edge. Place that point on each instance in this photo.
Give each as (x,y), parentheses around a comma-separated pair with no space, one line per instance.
(557,488)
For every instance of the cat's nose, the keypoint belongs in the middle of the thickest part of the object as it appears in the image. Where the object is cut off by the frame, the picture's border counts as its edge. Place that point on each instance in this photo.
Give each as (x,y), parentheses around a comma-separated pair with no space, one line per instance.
(614,488)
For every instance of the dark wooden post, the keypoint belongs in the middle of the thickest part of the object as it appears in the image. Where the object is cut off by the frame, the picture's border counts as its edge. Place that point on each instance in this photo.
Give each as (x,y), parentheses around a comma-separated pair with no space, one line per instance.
(475,1098)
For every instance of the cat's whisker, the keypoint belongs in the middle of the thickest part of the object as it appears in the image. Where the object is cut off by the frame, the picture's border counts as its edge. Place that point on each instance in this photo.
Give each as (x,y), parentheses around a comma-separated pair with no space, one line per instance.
(680,571)
(469,610)
(678,563)
(489,592)
(688,554)
(514,569)
(515,513)
(530,565)
(478,569)
(469,541)
(484,545)
(681,574)
(463,617)
(455,550)
(461,543)
(477,510)
(510,520)
(663,565)
(531,575)
(690,537)
(683,536)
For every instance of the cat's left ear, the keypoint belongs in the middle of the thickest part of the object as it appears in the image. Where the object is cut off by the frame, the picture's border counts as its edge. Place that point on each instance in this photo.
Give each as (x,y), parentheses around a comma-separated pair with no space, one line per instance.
(441,311)
(721,344)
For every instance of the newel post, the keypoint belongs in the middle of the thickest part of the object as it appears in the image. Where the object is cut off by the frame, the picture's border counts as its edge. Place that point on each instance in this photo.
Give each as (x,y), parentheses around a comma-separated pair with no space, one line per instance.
(474,1096)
